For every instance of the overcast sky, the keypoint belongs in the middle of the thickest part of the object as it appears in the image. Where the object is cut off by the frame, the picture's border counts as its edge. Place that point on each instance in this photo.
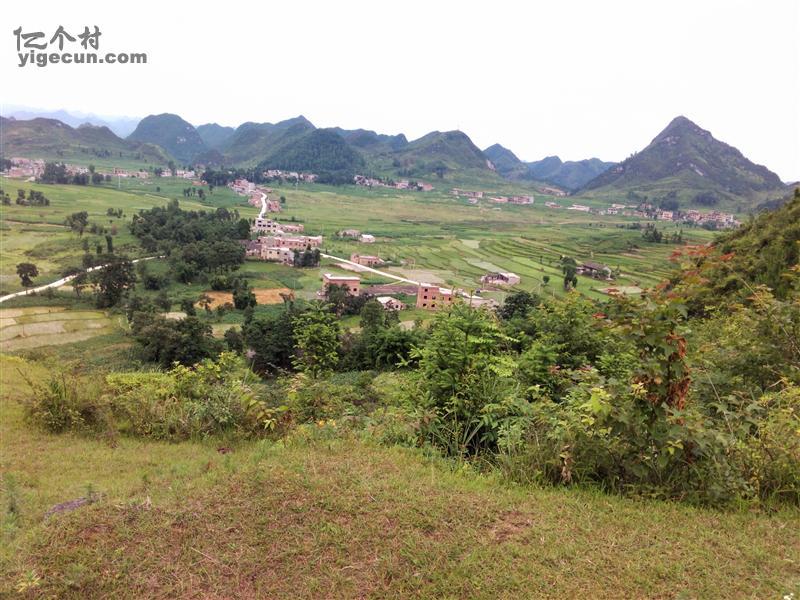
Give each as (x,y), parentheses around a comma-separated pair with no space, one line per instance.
(567,77)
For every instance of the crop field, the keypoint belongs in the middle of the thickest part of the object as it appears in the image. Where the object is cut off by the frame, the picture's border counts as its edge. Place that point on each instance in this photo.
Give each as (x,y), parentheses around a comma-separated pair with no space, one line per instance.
(35,327)
(432,237)
(37,233)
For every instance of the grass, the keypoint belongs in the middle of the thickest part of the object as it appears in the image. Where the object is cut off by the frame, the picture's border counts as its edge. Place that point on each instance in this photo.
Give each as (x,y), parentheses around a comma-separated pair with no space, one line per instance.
(324,514)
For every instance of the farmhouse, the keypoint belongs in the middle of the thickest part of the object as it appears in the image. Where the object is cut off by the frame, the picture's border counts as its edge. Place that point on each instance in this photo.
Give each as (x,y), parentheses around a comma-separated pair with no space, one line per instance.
(301,242)
(521,200)
(505,279)
(262,225)
(349,233)
(251,248)
(432,296)
(390,303)
(596,270)
(281,255)
(467,193)
(579,207)
(351,282)
(366,238)
(365,260)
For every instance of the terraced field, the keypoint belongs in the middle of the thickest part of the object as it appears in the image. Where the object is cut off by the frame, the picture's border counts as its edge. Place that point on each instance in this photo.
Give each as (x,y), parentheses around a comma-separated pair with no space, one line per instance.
(35,327)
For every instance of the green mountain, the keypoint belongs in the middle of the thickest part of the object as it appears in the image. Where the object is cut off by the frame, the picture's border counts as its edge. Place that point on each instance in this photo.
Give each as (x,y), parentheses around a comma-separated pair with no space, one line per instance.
(685,163)
(371,142)
(571,174)
(172,133)
(321,151)
(54,140)
(251,143)
(214,136)
(506,162)
(436,153)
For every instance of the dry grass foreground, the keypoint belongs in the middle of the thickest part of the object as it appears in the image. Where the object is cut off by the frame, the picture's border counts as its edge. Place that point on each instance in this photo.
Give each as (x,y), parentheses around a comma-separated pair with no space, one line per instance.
(324,515)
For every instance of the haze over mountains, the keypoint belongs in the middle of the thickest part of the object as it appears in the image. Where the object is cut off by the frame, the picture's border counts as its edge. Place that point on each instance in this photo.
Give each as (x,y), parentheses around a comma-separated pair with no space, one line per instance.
(683,165)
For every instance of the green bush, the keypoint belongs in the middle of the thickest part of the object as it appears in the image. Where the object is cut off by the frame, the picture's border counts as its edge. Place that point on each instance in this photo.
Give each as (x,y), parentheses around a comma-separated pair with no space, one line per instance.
(211,398)
(66,403)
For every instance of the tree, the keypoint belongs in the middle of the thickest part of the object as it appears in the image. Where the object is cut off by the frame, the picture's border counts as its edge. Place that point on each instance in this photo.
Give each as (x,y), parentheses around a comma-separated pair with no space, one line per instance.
(317,343)
(270,340)
(165,341)
(113,280)
(187,306)
(570,268)
(77,221)
(205,301)
(518,304)
(27,271)
(243,296)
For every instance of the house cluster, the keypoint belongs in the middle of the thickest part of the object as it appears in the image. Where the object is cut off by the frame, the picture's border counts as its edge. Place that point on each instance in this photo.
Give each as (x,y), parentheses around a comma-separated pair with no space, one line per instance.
(290,175)
(279,247)
(580,208)
(403,184)
(718,219)
(596,270)
(355,234)
(255,194)
(25,168)
(522,200)
(500,279)
(434,297)
(125,174)
(551,191)
(265,225)
(458,193)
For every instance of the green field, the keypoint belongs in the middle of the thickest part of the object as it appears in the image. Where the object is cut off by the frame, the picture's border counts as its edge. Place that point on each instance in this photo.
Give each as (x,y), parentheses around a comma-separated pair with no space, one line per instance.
(426,236)
(37,233)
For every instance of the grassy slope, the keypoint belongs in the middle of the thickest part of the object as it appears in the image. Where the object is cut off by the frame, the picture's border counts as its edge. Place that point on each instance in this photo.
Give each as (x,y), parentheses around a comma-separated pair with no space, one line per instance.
(37,234)
(339,518)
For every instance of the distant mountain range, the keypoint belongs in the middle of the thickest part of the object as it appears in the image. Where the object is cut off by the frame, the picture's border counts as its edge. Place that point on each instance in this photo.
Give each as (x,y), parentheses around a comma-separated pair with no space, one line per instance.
(54,140)
(121,126)
(683,166)
(570,175)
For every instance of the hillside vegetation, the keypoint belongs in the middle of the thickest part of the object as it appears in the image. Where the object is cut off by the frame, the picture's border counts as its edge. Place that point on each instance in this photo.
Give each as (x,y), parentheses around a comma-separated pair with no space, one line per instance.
(325,514)
(172,133)
(49,138)
(686,162)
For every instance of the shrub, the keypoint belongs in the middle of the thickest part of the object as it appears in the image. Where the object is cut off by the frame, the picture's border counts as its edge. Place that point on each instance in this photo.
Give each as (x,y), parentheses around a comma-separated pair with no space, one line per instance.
(65,403)
(211,398)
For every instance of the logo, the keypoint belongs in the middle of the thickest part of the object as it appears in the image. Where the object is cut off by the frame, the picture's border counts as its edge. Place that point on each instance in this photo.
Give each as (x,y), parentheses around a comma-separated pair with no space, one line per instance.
(82,48)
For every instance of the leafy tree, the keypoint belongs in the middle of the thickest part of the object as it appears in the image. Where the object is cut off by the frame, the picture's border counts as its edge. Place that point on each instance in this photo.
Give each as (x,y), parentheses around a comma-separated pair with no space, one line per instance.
(166,341)
(113,280)
(316,334)
(77,221)
(27,272)
(518,304)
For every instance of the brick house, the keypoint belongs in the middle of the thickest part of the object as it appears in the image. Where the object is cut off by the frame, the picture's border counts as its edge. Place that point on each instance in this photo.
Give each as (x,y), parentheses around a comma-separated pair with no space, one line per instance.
(433,297)
(365,260)
(351,282)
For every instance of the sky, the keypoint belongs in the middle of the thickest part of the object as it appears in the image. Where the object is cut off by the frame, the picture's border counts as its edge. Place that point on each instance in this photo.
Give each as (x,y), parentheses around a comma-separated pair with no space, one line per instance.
(576,78)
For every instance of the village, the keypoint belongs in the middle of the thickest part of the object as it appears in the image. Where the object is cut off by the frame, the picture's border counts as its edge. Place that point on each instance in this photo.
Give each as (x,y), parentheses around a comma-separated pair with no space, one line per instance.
(710,219)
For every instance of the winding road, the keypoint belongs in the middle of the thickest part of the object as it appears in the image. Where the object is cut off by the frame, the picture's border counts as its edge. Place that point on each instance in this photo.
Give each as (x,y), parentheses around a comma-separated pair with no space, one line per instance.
(64,280)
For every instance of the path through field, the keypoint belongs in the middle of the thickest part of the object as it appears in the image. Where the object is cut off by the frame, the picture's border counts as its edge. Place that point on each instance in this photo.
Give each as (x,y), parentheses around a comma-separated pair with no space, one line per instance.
(64,280)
